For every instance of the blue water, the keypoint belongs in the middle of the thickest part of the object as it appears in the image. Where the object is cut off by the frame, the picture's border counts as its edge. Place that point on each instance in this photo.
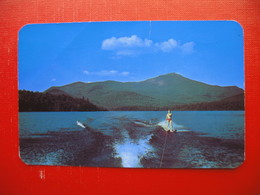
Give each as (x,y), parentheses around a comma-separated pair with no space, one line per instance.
(223,124)
(131,138)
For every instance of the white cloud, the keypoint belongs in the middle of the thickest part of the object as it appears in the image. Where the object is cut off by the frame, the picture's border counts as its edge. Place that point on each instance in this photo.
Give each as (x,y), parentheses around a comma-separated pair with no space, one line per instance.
(125,73)
(125,42)
(167,46)
(86,72)
(134,45)
(188,47)
(106,73)
(53,80)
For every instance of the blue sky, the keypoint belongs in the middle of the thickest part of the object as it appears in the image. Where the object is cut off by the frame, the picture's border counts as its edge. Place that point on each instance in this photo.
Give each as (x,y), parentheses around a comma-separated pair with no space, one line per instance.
(59,54)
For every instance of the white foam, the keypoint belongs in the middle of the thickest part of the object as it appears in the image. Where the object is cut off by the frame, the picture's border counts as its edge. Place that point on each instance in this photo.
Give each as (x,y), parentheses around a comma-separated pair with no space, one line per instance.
(143,124)
(131,151)
(163,124)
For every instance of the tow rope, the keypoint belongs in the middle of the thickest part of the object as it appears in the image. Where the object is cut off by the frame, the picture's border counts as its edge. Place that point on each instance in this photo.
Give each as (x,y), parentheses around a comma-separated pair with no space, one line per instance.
(164,145)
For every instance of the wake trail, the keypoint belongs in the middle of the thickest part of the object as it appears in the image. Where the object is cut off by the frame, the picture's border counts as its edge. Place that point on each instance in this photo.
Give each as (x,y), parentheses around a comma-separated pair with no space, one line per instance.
(131,149)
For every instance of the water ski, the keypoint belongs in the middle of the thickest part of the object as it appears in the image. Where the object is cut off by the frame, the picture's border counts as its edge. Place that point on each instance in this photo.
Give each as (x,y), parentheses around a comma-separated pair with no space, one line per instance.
(175,130)
(172,131)
(168,130)
(80,124)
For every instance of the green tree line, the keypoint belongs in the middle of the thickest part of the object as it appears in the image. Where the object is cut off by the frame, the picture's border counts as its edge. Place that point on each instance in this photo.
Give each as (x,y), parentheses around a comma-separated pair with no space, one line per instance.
(30,101)
(233,103)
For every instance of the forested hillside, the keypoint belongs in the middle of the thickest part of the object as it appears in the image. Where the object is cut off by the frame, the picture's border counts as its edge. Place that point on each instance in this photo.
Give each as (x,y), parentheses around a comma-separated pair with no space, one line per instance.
(35,101)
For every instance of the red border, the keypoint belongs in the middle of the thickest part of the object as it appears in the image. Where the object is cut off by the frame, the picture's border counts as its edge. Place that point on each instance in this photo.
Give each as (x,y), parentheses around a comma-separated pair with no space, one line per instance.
(18,178)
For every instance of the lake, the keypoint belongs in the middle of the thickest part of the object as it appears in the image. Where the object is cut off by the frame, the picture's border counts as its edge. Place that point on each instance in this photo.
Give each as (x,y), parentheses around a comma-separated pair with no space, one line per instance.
(204,139)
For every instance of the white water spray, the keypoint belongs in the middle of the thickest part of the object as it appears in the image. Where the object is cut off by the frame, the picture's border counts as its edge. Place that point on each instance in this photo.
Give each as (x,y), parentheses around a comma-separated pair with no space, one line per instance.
(131,151)
(163,124)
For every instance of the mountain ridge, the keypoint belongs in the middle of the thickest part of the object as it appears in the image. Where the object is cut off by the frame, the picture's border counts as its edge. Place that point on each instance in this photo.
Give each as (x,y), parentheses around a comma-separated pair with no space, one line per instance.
(81,82)
(164,90)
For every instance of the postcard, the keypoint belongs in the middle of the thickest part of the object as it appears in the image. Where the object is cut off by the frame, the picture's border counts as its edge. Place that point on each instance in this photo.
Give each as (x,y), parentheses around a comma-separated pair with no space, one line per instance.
(141,94)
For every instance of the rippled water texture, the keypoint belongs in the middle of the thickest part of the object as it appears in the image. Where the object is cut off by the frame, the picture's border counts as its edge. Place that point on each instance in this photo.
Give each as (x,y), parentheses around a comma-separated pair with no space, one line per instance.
(204,139)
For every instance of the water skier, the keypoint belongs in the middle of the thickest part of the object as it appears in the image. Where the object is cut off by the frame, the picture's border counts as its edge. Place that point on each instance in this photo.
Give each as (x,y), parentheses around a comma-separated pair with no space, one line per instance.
(169,122)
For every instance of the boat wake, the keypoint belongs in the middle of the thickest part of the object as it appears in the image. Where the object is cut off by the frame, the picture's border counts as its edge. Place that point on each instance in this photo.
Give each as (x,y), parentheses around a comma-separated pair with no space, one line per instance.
(130,143)
(132,151)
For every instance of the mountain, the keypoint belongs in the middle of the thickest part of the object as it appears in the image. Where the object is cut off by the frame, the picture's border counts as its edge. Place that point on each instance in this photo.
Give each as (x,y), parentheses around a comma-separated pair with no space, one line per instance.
(163,91)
